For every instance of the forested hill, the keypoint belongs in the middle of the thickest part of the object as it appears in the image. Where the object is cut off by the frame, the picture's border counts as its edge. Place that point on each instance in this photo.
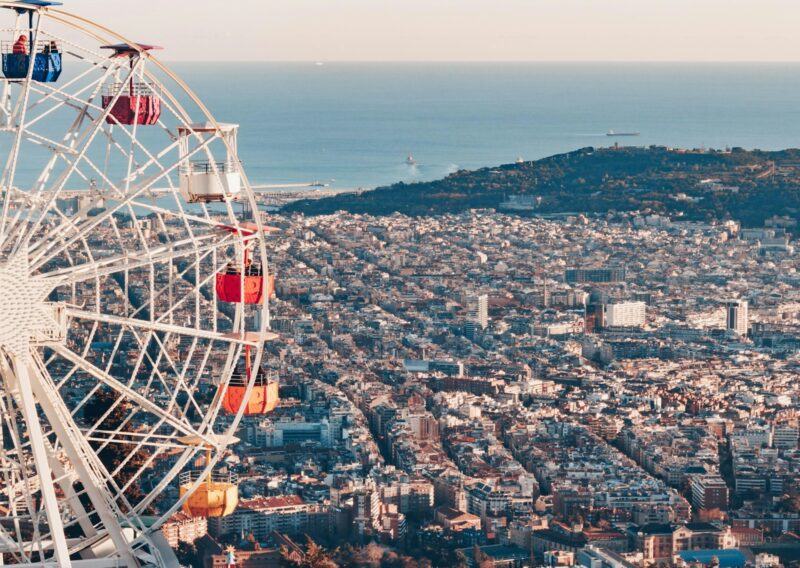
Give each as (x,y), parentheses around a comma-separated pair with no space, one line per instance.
(749,186)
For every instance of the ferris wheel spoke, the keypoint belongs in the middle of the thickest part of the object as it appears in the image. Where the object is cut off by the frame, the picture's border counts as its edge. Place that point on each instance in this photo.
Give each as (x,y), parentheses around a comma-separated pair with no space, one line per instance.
(185,299)
(141,188)
(85,140)
(123,425)
(11,163)
(63,149)
(130,393)
(81,110)
(165,290)
(105,266)
(70,139)
(167,441)
(178,466)
(207,220)
(252,339)
(180,384)
(135,143)
(74,100)
(43,140)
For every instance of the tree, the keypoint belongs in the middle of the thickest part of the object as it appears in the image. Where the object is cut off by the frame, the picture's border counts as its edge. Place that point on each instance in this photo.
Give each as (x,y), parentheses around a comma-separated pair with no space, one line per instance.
(315,556)
(114,453)
(482,560)
(461,559)
(187,554)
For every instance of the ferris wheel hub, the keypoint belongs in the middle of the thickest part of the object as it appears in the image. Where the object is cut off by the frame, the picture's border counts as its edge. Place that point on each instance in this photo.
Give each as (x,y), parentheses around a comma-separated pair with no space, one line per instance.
(26,317)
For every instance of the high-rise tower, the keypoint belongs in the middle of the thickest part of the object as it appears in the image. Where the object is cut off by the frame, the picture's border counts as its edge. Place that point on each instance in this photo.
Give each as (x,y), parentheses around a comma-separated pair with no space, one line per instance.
(478,310)
(736,316)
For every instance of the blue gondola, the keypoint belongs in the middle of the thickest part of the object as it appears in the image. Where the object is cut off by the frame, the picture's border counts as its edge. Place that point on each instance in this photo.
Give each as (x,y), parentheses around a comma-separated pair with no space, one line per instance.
(46,65)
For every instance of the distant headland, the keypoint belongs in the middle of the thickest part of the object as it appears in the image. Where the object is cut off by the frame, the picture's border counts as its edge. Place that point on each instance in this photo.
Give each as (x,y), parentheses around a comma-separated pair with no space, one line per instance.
(750,186)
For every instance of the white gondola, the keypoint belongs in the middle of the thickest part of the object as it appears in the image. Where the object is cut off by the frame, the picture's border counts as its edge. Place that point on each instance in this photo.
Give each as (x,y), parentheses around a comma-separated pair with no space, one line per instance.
(206,181)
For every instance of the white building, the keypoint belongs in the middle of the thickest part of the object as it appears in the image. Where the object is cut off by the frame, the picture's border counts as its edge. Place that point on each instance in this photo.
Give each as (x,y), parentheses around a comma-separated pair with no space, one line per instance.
(478,310)
(278,433)
(785,436)
(754,436)
(595,557)
(736,316)
(262,515)
(625,314)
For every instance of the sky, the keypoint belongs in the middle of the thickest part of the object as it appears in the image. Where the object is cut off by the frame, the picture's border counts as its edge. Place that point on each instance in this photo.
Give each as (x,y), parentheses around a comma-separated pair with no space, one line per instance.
(457,30)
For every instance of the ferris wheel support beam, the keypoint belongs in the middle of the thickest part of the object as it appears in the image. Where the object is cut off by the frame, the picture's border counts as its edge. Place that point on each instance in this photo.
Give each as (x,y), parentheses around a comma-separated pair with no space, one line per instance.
(42,460)
(25,478)
(79,456)
(72,497)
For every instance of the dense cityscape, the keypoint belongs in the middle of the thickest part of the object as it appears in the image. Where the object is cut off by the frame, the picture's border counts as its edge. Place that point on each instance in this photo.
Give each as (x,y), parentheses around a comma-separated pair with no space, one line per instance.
(486,389)
(587,359)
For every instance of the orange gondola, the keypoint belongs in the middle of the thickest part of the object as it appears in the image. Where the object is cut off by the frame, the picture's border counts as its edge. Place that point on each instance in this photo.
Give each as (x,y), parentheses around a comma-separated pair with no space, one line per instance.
(217,494)
(263,397)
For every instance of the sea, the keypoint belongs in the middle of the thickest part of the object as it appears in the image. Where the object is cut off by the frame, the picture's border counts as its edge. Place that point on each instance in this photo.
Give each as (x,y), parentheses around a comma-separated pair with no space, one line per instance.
(353,125)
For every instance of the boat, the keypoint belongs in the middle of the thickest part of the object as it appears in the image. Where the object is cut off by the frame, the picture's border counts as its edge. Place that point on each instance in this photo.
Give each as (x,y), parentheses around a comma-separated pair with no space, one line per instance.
(318,184)
(411,161)
(612,133)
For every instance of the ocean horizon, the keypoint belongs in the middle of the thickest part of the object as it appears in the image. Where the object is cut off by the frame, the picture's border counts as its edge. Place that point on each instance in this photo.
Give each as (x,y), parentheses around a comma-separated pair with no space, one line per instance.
(356,123)
(353,125)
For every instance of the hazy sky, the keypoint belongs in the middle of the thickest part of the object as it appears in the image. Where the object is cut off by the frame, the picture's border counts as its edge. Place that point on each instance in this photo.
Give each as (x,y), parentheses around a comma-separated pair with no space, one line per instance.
(458,30)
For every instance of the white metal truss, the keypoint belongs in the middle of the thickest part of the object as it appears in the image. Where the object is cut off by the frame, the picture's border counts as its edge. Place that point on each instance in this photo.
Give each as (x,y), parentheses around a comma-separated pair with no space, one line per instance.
(113,350)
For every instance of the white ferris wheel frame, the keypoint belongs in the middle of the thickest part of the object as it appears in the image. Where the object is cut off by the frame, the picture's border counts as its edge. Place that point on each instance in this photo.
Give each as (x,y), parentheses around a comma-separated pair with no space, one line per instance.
(33,227)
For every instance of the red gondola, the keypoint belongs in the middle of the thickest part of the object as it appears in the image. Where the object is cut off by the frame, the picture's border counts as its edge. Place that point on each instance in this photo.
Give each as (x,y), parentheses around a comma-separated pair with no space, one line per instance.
(131,102)
(137,104)
(229,285)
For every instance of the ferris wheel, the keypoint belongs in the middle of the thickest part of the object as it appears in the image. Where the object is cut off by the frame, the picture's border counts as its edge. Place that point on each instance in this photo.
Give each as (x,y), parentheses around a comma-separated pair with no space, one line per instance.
(134,295)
